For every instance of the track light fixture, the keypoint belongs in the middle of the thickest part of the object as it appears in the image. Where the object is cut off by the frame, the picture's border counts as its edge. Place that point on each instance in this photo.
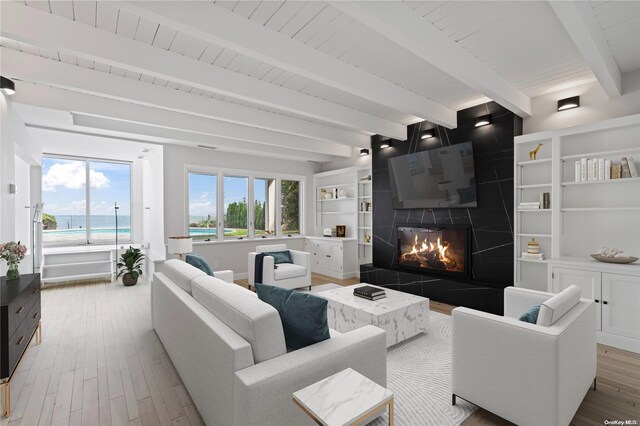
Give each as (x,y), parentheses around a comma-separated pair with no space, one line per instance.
(483,120)
(364,152)
(569,103)
(7,86)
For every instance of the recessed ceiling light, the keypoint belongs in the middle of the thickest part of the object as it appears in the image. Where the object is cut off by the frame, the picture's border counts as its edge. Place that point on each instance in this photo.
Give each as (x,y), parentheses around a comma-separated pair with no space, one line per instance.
(206,147)
(569,103)
(7,86)
(483,120)
(146,150)
(364,152)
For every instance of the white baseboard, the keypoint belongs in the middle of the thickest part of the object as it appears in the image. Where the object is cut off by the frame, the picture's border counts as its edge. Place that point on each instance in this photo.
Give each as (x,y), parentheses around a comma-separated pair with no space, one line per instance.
(240,276)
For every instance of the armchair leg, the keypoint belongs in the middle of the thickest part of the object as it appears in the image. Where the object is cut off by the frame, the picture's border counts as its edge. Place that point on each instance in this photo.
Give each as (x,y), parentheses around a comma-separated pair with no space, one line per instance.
(453,399)
(309,288)
(594,384)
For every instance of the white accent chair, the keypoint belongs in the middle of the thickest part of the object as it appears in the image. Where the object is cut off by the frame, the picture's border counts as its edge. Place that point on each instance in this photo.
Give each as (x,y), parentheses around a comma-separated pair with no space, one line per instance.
(286,275)
(529,374)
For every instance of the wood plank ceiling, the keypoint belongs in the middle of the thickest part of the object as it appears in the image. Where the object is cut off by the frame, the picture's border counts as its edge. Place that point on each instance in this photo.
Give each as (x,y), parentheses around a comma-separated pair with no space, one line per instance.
(524,43)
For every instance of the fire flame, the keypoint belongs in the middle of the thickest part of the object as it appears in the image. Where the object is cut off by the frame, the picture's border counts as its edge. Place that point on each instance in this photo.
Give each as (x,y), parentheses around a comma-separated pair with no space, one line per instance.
(422,250)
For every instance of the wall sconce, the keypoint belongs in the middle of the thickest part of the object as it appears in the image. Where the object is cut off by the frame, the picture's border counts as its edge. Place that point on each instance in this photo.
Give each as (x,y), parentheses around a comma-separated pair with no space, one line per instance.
(386,144)
(483,120)
(364,152)
(569,103)
(7,86)
(427,134)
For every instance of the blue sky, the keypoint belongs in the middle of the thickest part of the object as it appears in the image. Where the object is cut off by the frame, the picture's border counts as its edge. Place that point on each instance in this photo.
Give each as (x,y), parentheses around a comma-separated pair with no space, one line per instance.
(63,187)
(202,192)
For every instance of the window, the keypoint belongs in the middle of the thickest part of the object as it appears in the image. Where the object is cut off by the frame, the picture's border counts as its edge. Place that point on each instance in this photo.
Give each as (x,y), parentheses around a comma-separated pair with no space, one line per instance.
(290,201)
(203,220)
(251,206)
(236,191)
(264,207)
(80,196)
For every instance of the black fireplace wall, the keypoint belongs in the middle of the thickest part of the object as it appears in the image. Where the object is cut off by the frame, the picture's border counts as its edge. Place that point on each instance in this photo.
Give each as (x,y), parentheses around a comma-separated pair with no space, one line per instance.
(491,222)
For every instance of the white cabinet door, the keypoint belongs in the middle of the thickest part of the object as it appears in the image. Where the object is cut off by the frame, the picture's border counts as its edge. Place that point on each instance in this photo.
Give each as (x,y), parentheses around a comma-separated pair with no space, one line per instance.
(324,255)
(620,301)
(336,258)
(588,281)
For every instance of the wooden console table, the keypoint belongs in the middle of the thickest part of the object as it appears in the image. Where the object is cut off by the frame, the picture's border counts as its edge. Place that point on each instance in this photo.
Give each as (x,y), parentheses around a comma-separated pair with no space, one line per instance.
(19,322)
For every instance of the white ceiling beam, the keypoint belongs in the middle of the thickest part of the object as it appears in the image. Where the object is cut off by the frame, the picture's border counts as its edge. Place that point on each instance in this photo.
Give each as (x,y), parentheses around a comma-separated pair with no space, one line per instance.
(34,26)
(194,139)
(64,100)
(35,69)
(222,27)
(403,26)
(583,28)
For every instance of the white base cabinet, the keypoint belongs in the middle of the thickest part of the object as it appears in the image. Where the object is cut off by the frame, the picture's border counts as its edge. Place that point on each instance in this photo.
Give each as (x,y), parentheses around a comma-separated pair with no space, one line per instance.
(334,257)
(616,291)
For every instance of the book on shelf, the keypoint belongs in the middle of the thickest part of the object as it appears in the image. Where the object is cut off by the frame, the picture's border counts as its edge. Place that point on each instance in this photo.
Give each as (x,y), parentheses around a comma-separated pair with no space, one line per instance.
(368,291)
(600,168)
(589,169)
(533,256)
(584,169)
(529,205)
(578,171)
(607,169)
(378,297)
(633,171)
(545,200)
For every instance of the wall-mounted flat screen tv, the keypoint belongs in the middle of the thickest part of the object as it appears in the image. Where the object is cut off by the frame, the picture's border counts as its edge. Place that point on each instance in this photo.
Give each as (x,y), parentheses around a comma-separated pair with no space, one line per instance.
(438,178)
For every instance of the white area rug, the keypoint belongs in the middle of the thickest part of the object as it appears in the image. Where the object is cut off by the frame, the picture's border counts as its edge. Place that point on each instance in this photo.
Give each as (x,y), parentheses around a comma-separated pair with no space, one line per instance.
(419,374)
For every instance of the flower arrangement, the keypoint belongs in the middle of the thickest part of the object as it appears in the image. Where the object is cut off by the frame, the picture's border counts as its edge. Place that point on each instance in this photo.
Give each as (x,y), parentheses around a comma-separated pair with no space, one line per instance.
(12,253)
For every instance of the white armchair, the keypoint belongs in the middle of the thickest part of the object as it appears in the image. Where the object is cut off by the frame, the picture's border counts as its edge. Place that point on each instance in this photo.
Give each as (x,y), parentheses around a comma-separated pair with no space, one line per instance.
(286,275)
(529,374)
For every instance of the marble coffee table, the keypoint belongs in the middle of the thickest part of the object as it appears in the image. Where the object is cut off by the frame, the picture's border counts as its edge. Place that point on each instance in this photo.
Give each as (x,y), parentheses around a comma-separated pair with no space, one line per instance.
(346,398)
(401,315)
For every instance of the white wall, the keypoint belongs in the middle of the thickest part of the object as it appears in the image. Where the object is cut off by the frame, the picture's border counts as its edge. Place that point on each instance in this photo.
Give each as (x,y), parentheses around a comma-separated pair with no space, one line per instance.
(594,105)
(229,254)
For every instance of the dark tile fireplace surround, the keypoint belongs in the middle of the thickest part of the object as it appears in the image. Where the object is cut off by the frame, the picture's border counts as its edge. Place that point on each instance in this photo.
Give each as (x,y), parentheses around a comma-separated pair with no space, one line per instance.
(478,279)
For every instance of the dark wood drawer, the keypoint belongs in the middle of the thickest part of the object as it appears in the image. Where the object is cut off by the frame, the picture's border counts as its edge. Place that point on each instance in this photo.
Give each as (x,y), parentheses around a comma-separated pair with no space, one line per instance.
(21,306)
(20,339)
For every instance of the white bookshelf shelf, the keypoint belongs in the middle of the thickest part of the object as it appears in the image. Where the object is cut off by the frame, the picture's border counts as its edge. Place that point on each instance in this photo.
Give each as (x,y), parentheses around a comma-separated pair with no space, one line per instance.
(339,185)
(335,212)
(600,153)
(364,227)
(579,221)
(531,162)
(364,244)
(336,199)
(537,185)
(600,209)
(593,182)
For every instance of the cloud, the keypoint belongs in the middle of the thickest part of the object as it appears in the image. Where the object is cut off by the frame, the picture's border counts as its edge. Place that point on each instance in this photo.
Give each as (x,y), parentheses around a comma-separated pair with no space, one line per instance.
(200,208)
(72,175)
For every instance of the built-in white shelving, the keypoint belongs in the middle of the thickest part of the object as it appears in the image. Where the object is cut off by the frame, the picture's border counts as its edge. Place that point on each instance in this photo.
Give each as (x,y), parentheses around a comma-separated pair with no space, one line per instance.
(583,216)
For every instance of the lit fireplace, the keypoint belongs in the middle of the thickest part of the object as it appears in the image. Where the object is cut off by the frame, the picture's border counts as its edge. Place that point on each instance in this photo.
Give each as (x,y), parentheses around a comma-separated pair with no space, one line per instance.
(436,249)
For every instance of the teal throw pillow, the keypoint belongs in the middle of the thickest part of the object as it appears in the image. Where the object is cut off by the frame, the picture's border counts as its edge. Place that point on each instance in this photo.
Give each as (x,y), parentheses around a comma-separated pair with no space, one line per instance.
(531,315)
(280,256)
(194,259)
(303,315)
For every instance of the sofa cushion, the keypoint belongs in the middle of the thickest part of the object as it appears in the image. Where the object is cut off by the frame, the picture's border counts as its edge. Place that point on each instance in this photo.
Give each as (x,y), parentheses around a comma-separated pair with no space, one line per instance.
(289,270)
(280,257)
(304,316)
(530,315)
(554,308)
(255,321)
(271,247)
(195,259)
(181,273)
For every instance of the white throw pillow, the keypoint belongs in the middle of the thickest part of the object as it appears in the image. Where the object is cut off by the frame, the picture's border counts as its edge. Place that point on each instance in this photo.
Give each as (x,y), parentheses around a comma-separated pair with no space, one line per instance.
(554,308)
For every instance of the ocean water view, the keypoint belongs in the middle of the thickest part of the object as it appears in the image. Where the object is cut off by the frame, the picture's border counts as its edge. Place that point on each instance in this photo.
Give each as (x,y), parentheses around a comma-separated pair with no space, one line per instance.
(72,229)
(97,221)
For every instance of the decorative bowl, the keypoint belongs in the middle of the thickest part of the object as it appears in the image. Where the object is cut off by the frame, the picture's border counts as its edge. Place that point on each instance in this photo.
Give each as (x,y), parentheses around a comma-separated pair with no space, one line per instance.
(617,259)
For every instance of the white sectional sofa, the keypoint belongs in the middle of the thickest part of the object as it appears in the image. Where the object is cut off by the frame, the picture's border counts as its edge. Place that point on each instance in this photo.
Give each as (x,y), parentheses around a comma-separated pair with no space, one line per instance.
(229,349)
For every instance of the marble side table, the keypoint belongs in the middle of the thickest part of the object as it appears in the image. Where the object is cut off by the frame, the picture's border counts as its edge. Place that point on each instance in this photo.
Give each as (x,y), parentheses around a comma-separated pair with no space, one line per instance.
(400,314)
(346,398)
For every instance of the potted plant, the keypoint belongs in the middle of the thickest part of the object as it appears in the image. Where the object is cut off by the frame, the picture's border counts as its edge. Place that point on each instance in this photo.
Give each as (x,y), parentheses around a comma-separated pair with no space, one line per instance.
(130,266)
(12,253)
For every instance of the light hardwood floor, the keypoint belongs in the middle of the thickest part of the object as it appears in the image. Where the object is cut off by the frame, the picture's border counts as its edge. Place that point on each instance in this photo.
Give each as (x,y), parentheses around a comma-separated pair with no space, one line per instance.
(101,363)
